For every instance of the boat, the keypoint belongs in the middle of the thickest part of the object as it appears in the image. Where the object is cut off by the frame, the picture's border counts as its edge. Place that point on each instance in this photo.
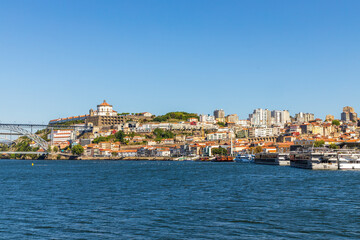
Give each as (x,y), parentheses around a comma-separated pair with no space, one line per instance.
(349,161)
(283,159)
(244,158)
(266,158)
(223,159)
(205,159)
(315,158)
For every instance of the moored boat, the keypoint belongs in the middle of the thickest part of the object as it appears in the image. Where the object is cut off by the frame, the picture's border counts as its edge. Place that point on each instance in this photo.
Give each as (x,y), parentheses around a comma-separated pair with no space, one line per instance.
(283,159)
(223,159)
(244,158)
(315,158)
(349,161)
(266,158)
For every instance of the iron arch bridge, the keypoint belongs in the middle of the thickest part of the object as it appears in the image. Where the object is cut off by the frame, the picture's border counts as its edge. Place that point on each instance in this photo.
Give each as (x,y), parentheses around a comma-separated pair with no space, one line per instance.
(20,129)
(16,128)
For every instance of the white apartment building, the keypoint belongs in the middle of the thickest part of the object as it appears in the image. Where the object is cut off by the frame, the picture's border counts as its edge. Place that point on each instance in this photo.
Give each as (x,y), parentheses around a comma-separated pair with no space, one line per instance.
(207,118)
(59,136)
(261,132)
(260,118)
(280,117)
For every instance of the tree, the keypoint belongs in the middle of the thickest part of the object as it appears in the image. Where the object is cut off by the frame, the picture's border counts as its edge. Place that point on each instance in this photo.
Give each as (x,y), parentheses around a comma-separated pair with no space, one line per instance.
(319,143)
(176,115)
(55,149)
(120,135)
(257,149)
(77,150)
(336,122)
(221,124)
(333,146)
(219,151)
(161,134)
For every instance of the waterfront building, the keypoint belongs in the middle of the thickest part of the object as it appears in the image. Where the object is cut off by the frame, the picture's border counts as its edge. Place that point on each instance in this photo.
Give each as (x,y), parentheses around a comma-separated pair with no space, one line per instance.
(348,114)
(304,117)
(61,137)
(260,118)
(127,153)
(104,116)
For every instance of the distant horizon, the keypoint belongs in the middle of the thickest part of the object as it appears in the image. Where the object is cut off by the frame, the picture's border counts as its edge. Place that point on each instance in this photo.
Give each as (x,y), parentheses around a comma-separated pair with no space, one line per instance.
(61,58)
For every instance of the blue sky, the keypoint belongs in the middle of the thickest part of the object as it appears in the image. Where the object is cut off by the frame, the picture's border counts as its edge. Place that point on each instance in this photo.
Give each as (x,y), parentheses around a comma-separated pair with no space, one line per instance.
(61,58)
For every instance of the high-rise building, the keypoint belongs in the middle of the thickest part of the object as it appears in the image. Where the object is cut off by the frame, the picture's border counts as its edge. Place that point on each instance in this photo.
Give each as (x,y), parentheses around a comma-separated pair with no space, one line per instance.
(304,117)
(348,114)
(260,118)
(280,117)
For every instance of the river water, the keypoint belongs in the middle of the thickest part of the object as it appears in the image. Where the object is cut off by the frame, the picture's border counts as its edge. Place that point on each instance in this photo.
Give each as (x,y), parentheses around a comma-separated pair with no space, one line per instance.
(175,200)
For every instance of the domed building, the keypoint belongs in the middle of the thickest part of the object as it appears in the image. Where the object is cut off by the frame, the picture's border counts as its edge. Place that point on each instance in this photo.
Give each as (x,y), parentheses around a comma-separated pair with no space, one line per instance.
(103,109)
(104,116)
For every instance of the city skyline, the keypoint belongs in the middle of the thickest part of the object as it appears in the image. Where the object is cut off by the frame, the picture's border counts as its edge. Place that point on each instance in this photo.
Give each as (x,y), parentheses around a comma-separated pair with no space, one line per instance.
(60,58)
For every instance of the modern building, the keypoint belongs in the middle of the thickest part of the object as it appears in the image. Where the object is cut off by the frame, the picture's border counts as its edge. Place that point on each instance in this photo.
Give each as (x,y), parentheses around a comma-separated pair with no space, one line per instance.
(104,116)
(304,117)
(280,117)
(261,132)
(260,118)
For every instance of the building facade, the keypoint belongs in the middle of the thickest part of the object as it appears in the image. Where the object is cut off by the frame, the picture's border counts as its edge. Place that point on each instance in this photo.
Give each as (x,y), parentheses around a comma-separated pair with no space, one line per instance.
(260,118)
(104,116)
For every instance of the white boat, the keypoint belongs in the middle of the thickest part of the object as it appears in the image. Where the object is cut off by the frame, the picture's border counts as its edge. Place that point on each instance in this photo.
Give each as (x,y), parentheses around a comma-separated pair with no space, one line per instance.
(244,158)
(349,161)
(283,159)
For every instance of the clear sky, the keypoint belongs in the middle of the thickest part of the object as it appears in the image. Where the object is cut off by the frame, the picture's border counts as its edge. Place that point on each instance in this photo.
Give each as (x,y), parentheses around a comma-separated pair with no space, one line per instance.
(61,58)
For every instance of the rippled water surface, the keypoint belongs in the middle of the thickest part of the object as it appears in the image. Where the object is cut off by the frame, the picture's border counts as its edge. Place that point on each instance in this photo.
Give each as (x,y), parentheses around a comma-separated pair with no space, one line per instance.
(175,200)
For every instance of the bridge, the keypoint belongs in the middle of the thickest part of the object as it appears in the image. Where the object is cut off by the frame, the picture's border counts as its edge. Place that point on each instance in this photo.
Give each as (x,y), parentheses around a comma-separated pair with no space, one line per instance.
(23,129)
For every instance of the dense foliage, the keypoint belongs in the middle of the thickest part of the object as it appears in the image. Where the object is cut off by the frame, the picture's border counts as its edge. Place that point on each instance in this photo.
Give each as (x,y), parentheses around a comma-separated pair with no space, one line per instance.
(257,149)
(161,134)
(120,135)
(77,150)
(177,116)
(103,139)
(334,146)
(221,124)
(336,122)
(219,151)
(319,143)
